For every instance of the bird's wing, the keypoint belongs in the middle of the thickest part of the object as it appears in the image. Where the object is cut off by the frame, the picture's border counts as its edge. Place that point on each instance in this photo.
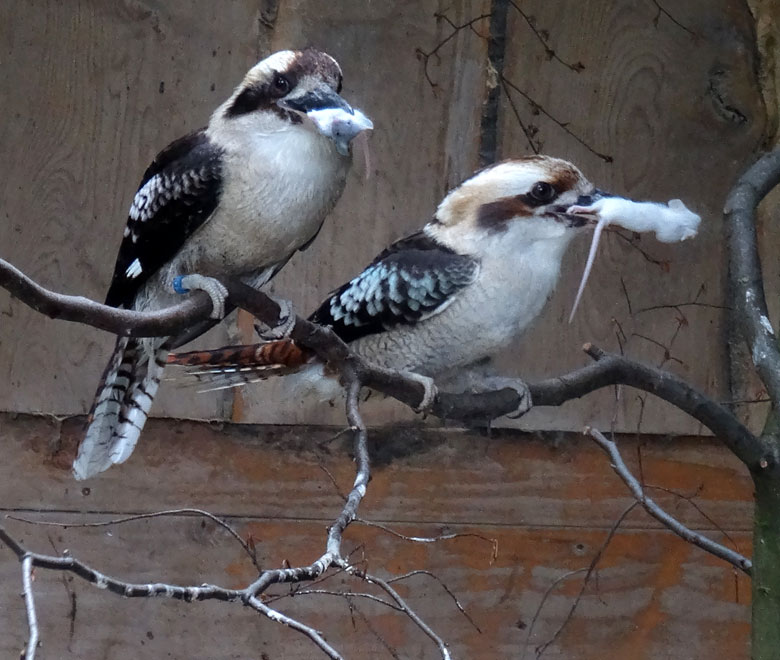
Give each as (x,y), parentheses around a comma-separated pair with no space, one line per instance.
(411,280)
(178,193)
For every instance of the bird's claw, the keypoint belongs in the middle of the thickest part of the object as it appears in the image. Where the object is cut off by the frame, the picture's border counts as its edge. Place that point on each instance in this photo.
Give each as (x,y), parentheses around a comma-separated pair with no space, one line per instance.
(430,391)
(214,288)
(525,404)
(284,325)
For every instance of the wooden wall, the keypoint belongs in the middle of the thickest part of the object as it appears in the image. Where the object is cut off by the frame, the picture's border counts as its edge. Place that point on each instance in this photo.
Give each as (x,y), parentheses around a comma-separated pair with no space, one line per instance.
(665,104)
(92,90)
(653,597)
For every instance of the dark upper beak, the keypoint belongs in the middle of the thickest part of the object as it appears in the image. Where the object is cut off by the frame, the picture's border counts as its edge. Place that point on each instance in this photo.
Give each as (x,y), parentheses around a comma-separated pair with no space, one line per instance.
(321,98)
(581,219)
(588,200)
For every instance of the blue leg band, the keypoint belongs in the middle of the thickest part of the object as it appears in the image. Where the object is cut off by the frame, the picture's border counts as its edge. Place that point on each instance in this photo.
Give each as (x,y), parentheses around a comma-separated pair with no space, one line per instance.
(177,286)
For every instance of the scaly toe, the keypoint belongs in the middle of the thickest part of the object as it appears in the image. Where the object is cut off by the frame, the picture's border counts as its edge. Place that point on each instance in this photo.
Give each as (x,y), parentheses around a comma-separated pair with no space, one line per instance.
(430,391)
(284,325)
(214,288)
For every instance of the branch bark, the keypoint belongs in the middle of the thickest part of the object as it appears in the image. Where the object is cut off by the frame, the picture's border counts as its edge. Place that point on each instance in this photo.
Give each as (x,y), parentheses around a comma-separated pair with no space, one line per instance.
(750,319)
(611,369)
(749,303)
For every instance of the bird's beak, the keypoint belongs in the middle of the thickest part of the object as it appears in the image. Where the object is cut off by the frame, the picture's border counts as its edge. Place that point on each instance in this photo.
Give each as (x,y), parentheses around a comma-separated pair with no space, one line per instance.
(582,217)
(330,114)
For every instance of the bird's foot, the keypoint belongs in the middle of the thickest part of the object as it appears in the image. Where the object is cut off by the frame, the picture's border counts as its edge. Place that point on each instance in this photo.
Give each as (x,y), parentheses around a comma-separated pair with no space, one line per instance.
(284,325)
(500,382)
(429,394)
(214,288)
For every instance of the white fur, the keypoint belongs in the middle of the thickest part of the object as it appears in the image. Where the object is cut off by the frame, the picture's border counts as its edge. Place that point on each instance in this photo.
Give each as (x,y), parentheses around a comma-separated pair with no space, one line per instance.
(672,222)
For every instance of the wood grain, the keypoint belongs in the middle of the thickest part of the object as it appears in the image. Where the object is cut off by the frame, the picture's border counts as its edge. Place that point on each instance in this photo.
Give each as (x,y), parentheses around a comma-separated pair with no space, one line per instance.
(655,96)
(92,91)
(548,506)
(659,97)
(433,476)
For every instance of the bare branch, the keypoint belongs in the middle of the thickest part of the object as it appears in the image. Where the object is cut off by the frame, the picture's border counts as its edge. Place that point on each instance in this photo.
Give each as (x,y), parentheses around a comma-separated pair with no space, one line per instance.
(564,126)
(434,52)
(385,586)
(749,301)
(435,539)
(621,469)
(444,586)
(560,579)
(29,602)
(312,634)
(611,369)
(662,11)
(124,322)
(543,39)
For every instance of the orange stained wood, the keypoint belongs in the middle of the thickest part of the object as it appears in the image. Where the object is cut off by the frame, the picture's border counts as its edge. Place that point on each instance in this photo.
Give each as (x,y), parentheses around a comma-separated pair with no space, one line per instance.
(652,595)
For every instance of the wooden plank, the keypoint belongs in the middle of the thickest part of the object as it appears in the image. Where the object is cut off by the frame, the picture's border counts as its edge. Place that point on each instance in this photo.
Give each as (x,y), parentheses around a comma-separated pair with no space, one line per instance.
(434,477)
(655,597)
(659,101)
(91,91)
(106,107)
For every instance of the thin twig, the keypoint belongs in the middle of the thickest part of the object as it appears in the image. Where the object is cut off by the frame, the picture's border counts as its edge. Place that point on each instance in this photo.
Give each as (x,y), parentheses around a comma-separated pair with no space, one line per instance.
(621,469)
(427,55)
(385,586)
(591,567)
(660,10)
(444,586)
(342,594)
(540,607)
(564,126)
(143,516)
(434,539)
(543,37)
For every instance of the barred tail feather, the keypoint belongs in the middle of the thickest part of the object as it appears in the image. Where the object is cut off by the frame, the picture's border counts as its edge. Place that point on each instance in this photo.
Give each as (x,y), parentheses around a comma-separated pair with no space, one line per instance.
(149,366)
(122,401)
(234,366)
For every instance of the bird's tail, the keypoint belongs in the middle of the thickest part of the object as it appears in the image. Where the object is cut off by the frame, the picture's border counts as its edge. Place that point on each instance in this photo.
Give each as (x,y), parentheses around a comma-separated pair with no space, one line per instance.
(121,405)
(233,366)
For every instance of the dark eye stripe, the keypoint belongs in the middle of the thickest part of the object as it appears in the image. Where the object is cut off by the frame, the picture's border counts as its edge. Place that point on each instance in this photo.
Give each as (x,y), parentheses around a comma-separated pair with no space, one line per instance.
(495,215)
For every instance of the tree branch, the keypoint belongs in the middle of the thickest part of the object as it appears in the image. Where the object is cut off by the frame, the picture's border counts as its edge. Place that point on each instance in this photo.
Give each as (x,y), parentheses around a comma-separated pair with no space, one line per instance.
(123,322)
(611,369)
(708,545)
(467,407)
(749,303)
(29,602)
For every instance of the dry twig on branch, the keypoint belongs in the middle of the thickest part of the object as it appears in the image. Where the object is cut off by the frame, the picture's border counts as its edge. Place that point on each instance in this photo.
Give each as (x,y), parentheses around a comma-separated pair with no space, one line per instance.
(650,505)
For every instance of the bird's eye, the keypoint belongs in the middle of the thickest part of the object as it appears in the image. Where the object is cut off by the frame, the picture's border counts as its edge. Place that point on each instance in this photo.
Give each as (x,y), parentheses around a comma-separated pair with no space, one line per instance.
(281,84)
(543,192)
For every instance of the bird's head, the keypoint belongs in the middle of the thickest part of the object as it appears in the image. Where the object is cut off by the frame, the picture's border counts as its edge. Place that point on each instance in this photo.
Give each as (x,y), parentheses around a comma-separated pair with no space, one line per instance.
(296,88)
(516,201)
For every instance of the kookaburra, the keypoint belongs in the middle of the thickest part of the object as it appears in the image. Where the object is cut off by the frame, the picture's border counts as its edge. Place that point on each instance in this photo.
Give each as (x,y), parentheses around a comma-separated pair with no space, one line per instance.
(236,199)
(447,296)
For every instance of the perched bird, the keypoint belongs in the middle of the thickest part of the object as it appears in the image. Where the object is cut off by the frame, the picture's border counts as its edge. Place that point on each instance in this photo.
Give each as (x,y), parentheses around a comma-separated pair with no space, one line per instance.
(446,297)
(237,199)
